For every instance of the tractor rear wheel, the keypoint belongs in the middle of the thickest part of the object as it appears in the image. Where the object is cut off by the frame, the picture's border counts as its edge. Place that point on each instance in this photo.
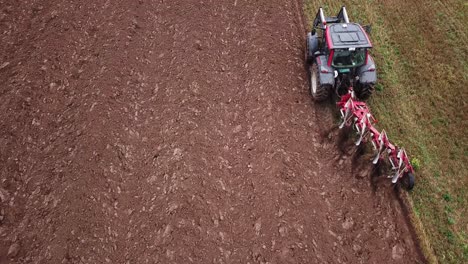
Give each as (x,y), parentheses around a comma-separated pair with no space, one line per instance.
(308,58)
(364,91)
(320,92)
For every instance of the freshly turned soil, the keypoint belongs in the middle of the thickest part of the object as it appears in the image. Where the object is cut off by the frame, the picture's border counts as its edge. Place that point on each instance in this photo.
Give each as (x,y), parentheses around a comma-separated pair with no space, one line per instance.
(178,132)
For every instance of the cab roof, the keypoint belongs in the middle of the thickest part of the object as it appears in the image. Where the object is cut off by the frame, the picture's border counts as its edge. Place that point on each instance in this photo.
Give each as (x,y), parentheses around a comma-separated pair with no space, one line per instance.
(350,35)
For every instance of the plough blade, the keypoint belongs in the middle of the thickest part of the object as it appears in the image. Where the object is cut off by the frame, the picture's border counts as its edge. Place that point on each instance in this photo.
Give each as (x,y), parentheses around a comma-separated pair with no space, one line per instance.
(356,114)
(395,177)
(346,113)
(376,158)
(381,143)
(361,134)
(400,157)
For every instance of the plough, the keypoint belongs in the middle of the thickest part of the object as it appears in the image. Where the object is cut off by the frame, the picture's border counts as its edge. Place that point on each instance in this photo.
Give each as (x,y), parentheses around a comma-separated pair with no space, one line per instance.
(356,114)
(338,60)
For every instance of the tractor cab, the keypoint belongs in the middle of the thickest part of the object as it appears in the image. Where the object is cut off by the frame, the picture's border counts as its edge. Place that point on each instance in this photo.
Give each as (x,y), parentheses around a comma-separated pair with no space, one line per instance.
(337,56)
(347,45)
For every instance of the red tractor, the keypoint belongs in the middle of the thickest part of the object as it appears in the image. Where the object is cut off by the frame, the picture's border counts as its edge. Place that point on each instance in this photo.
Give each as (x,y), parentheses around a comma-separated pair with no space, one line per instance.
(337,57)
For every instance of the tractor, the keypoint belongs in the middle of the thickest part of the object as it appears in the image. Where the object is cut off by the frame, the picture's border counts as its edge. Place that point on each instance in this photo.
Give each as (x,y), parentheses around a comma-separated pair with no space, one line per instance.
(337,57)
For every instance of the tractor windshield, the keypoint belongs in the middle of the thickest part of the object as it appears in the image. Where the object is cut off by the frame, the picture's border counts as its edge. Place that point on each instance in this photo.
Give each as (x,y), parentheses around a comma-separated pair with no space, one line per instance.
(345,58)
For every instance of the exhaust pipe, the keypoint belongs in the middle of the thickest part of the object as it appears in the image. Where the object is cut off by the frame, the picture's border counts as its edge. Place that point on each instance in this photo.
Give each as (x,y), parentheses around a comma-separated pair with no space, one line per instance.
(345,15)
(322,17)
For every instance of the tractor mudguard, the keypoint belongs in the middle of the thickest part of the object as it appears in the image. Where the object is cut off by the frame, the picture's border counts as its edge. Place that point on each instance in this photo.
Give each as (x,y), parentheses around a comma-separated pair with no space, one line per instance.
(367,73)
(312,44)
(326,73)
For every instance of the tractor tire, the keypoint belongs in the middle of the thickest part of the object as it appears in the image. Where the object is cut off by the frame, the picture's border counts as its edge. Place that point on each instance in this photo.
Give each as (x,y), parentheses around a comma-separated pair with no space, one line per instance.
(318,91)
(308,58)
(408,181)
(364,91)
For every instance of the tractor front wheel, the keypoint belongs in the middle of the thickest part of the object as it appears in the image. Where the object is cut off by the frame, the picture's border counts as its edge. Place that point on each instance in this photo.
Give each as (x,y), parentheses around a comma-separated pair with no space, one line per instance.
(320,92)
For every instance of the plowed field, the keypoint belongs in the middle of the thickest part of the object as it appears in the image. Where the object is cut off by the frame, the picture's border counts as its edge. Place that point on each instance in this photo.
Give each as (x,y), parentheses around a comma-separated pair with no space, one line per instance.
(177,132)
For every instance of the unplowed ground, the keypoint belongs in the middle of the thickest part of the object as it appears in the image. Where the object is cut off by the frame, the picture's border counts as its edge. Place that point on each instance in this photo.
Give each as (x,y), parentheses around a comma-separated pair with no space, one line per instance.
(177,132)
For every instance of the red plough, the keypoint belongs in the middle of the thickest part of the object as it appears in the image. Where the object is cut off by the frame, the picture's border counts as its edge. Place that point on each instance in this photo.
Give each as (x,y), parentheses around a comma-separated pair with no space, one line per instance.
(357,114)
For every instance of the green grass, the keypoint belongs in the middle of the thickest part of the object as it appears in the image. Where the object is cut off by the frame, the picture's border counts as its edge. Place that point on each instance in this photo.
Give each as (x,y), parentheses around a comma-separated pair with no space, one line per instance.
(421,55)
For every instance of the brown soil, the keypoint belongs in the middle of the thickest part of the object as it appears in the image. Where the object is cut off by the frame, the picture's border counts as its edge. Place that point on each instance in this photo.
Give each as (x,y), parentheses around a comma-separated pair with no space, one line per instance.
(177,132)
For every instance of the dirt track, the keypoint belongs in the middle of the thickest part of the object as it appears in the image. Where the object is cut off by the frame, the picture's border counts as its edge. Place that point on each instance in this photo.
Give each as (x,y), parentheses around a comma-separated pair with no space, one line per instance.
(176,132)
